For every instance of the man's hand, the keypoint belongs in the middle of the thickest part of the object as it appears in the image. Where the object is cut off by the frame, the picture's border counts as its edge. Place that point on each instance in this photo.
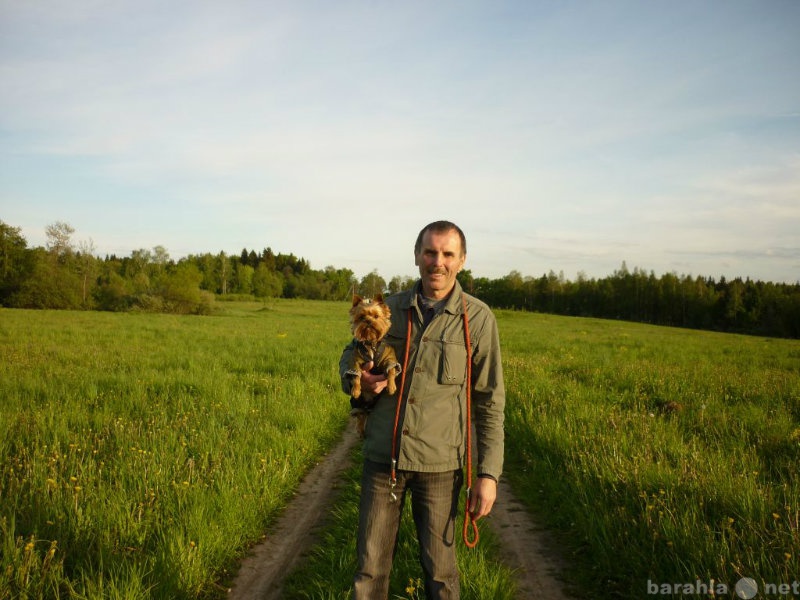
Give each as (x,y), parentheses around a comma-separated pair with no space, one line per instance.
(373,384)
(482,497)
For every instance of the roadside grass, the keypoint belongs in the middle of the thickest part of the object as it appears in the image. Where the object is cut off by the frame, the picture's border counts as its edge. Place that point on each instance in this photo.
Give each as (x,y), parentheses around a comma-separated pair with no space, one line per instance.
(327,573)
(658,455)
(141,454)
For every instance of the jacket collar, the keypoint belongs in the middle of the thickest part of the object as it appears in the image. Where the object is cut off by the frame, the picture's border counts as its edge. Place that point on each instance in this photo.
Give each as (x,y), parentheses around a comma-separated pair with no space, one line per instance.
(452,305)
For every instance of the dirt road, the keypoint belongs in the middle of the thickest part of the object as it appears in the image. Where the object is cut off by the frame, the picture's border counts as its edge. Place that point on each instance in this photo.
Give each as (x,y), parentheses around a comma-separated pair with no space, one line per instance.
(261,574)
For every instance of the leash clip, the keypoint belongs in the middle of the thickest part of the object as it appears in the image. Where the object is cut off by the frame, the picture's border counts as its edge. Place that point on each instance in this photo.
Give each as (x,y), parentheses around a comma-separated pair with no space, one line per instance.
(393,482)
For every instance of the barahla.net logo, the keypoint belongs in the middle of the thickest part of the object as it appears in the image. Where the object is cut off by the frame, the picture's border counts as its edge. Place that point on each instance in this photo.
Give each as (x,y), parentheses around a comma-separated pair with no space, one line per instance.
(746,588)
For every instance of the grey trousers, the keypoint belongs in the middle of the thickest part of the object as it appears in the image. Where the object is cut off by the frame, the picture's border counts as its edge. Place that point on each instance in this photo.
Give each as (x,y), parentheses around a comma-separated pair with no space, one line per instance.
(434,503)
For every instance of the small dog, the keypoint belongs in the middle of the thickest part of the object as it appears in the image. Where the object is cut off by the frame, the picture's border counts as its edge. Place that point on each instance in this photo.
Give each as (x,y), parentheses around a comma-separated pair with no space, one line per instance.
(370,320)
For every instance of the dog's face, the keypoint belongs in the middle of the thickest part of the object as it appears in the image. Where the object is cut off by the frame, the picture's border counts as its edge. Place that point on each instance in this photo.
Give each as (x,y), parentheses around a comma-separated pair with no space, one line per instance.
(369,318)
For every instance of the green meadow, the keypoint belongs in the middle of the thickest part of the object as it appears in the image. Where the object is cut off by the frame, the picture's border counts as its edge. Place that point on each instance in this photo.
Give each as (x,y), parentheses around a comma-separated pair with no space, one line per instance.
(141,454)
(657,455)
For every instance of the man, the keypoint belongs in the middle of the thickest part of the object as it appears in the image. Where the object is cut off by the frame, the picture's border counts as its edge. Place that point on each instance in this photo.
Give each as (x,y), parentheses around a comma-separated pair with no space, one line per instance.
(418,445)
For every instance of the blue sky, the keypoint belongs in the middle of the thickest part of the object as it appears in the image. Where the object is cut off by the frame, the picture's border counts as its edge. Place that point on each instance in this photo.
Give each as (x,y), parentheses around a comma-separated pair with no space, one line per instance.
(560,135)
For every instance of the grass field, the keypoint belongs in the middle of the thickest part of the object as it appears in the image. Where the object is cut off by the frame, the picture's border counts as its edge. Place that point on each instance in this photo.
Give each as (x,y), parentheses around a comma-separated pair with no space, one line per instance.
(141,454)
(660,455)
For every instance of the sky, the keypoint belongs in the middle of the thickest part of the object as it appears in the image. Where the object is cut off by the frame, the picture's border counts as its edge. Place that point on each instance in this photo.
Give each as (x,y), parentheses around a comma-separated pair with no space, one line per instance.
(559,135)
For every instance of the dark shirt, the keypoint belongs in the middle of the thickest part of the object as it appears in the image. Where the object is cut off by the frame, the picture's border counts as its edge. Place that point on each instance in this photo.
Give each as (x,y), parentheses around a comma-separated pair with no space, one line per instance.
(429,308)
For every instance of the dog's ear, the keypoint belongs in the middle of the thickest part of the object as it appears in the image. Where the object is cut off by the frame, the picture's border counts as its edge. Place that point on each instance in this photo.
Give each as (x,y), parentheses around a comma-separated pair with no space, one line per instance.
(356,299)
(379,299)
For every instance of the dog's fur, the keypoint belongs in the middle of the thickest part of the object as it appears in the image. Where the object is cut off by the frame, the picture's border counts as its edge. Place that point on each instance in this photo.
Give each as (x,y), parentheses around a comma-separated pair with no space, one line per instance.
(370,320)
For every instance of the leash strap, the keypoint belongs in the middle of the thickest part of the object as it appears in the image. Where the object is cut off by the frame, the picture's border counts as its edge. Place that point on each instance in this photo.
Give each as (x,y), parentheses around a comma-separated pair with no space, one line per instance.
(393,476)
(470,523)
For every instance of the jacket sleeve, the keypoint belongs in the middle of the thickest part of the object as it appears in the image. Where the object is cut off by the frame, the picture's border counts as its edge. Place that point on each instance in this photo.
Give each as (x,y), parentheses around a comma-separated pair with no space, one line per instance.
(344,365)
(488,399)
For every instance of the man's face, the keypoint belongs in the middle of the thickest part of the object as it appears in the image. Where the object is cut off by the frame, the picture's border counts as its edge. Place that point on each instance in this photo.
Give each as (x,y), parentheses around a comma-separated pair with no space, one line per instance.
(439,259)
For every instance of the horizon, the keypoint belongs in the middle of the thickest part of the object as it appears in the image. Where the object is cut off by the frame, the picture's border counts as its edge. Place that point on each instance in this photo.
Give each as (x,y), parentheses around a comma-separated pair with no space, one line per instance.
(389,276)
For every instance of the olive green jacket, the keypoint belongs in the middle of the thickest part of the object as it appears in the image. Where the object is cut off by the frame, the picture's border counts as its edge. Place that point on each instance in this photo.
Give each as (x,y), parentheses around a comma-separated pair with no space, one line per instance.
(432,419)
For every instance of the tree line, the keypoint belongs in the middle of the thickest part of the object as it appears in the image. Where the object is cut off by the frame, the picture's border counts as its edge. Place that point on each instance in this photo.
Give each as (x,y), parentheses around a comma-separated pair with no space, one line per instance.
(67,275)
(737,306)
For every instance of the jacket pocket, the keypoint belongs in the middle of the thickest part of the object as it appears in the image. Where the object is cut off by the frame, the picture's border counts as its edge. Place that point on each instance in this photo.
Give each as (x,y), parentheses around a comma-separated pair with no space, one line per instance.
(454,362)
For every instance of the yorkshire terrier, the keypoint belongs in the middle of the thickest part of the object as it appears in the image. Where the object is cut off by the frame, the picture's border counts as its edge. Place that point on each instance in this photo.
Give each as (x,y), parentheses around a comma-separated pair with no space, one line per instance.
(370,320)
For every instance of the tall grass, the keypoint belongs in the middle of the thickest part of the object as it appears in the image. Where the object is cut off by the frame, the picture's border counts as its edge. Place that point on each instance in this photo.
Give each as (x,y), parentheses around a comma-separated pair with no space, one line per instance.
(660,455)
(140,454)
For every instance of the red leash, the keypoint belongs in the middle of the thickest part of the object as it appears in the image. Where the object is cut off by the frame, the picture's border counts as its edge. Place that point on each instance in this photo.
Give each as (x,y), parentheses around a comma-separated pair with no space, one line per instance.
(393,476)
(469,520)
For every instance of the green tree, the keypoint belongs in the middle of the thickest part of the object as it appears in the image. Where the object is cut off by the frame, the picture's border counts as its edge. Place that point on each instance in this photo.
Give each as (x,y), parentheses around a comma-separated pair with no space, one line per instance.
(138,263)
(51,284)
(224,273)
(312,285)
(86,264)
(734,302)
(244,278)
(14,263)
(341,283)
(54,279)
(206,264)
(399,283)
(466,280)
(268,259)
(159,258)
(372,284)
(181,291)
(267,283)
(113,292)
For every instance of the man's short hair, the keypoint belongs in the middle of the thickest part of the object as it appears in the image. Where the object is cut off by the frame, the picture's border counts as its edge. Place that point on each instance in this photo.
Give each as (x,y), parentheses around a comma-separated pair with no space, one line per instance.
(441,227)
